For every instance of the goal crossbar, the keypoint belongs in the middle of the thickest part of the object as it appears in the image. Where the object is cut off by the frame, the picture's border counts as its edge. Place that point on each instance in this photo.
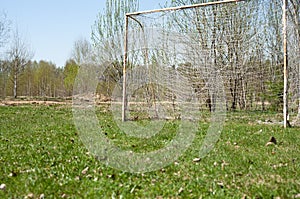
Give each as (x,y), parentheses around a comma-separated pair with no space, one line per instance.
(182,7)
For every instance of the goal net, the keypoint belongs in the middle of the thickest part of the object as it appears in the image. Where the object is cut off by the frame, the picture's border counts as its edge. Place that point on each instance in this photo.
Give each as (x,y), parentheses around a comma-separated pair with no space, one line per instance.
(190,61)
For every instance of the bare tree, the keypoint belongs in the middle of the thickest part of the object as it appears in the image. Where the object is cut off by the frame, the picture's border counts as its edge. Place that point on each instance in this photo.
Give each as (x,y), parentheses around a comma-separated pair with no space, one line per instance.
(3,78)
(4,35)
(222,34)
(107,32)
(18,57)
(108,40)
(294,12)
(4,29)
(82,51)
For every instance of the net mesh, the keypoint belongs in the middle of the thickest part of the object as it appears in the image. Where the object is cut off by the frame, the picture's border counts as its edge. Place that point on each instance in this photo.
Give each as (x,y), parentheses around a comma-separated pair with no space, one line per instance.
(192,59)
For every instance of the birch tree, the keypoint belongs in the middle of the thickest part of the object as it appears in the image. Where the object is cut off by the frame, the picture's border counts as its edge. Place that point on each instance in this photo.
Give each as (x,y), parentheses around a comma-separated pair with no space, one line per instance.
(19,56)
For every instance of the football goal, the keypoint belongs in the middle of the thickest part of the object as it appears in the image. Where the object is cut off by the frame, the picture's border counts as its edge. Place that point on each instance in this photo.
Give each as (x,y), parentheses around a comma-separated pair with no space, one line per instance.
(186,61)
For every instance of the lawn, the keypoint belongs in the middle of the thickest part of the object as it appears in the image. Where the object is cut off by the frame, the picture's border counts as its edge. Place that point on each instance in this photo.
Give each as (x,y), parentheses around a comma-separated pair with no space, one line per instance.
(42,156)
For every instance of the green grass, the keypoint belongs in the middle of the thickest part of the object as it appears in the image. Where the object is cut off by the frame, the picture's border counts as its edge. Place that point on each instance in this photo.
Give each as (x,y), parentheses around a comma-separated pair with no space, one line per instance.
(41,153)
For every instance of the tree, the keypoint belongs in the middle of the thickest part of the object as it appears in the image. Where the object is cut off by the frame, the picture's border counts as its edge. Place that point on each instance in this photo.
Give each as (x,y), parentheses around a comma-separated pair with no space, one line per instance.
(111,75)
(82,51)
(70,72)
(3,78)
(4,29)
(41,78)
(107,32)
(27,80)
(220,34)
(4,35)
(45,76)
(108,40)
(294,13)
(19,56)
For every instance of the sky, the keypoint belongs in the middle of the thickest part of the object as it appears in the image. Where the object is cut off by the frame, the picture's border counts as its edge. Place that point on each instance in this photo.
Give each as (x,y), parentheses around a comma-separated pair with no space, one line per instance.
(51,27)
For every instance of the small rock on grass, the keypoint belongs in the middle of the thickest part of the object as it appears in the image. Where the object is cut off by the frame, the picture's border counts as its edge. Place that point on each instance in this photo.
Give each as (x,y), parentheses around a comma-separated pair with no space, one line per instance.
(180,190)
(84,171)
(2,186)
(297,196)
(30,195)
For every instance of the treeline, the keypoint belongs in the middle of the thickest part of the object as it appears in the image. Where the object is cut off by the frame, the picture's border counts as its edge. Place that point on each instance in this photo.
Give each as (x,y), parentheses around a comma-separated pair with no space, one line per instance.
(43,79)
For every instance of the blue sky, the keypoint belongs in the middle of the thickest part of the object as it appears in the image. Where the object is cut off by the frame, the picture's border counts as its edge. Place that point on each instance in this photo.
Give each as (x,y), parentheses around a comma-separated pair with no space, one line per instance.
(51,27)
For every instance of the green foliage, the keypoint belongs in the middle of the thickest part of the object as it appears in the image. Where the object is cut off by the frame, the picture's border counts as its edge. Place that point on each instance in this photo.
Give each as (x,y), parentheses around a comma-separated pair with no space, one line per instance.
(110,78)
(70,73)
(275,95)
(37,79)
(274,89)
(107,32)
(45,78)
(41,153)
(3,78)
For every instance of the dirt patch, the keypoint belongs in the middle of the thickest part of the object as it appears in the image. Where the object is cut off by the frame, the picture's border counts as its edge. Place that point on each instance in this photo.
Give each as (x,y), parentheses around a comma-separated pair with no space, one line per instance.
(33,102)
(296,122)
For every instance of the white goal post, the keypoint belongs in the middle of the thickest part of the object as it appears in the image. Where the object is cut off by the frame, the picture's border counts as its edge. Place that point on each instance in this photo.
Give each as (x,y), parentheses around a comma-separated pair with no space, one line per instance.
(132,16)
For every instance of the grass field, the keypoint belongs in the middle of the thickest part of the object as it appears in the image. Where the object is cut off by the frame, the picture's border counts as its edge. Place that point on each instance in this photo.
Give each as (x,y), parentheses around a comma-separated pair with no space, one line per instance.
(41,156)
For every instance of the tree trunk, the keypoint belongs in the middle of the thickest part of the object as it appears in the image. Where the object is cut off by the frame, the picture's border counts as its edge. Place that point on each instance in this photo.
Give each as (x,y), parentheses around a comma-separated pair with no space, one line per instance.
(234,95)
(15,84)
(243,103)
(298,117)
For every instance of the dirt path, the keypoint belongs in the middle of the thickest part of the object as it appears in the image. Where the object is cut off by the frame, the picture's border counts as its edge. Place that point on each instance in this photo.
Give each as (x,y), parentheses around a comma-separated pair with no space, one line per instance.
(34,102)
